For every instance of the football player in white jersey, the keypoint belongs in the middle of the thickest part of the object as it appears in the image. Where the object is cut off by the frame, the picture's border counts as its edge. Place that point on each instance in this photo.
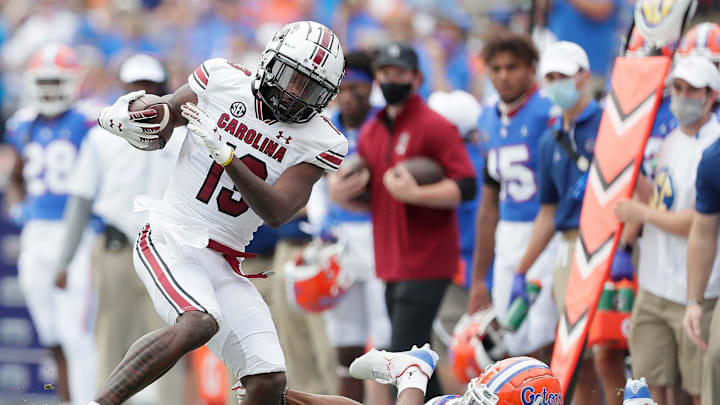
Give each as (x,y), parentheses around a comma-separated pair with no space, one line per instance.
(268,145)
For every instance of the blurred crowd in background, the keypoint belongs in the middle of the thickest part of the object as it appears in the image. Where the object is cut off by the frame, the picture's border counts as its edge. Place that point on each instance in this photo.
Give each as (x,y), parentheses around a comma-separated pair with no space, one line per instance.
(447,34)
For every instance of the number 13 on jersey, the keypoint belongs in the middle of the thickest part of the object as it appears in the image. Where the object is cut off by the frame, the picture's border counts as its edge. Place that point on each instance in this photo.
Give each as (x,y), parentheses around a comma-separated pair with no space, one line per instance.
(225,201)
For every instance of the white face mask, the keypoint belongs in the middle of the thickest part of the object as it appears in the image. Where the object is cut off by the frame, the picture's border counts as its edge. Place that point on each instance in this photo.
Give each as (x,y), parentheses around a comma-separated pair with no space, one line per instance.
(688,111)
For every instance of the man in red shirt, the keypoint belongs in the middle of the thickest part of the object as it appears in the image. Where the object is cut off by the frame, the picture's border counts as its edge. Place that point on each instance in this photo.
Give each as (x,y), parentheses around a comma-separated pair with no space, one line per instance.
(415,227)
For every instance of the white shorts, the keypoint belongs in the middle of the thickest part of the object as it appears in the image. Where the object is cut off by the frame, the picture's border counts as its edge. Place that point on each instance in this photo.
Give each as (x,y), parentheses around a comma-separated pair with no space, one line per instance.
(361,313)
(58,315)
(538,329)
(182,279)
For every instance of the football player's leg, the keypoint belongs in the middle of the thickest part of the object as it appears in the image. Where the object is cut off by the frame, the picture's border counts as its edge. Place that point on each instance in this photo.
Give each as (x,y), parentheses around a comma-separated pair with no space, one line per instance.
(41,296)
(536,333)
(412,396)
(76,314)
(183,295)
(247,341)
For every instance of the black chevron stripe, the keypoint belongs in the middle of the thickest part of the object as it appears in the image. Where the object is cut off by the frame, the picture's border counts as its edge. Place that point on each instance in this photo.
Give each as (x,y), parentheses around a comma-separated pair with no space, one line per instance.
(603,182)
(586,253)
(617,106)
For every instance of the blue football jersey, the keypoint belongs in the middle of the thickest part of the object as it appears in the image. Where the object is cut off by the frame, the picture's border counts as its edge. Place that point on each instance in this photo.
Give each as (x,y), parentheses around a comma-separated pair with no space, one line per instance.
(512,143)
(48,148)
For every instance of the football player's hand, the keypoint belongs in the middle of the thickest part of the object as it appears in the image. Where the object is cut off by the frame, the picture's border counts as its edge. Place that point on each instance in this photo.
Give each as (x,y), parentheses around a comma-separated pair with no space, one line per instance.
(61,279)
(632,211)
(622,266)
(518,289)
(691,324)
(117,120)
(400,184)
(344,188)
(204,130)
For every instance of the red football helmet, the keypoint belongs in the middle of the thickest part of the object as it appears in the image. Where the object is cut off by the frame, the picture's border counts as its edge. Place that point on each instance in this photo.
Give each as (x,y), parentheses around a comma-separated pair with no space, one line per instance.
(52,79)
(477,342)
(514,381)
(316,279)
(703,39)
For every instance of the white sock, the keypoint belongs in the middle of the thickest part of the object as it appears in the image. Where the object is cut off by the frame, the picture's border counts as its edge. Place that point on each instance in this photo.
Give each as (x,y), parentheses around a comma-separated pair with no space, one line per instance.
(412,378)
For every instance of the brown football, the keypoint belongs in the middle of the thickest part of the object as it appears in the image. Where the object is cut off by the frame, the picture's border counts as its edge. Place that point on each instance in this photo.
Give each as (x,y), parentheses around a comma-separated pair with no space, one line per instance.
(354,164)
(424,170)
(163,118)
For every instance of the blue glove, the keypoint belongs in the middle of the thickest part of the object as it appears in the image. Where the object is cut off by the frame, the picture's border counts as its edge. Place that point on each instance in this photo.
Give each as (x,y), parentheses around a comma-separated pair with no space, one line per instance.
(622,266)
(518,289)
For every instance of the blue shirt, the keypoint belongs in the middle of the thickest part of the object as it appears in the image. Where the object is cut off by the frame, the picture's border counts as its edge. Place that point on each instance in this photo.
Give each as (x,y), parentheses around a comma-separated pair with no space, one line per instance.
(512,154)
(560,180)
(599,39)
(707,183)
(48,148)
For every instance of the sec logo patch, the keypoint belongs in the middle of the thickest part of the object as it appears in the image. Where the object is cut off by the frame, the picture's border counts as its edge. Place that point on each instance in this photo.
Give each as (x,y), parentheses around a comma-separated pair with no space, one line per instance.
(238,109)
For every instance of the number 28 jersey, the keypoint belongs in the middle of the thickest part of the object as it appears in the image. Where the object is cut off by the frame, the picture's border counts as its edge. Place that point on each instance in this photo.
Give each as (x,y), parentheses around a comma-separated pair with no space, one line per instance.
(202,193)
(511,141)
(48,148)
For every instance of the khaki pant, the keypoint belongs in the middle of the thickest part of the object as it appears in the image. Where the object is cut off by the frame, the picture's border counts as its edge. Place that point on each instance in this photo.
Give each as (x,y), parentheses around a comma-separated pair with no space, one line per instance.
(561,273)
(311,359)
(125,314)
(660,347)
(711,367)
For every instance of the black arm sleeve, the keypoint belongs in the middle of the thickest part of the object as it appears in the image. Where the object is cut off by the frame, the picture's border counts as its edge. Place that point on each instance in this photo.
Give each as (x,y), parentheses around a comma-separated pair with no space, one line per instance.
(468,188)
(488,180)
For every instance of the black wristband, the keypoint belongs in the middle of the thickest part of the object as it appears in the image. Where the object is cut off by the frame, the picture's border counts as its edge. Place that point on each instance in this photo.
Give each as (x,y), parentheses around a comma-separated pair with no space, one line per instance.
(625,247)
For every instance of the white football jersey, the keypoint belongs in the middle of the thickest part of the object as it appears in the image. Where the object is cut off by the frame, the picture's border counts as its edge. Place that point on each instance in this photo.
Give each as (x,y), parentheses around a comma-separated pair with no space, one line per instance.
(201,194)
(663,256)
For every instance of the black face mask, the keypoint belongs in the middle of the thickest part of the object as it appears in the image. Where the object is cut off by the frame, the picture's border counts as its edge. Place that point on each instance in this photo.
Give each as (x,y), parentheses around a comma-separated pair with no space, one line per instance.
(396,93)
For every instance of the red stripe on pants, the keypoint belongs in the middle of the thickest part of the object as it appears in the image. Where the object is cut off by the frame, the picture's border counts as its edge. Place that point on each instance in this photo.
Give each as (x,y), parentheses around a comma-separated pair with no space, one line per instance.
(165,283)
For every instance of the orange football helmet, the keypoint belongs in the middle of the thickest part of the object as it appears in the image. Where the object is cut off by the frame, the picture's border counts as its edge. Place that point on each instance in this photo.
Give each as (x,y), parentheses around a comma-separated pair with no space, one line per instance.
(316,279)
(638,46)
(477,342)
(52,79)
(703,39)
(514,381)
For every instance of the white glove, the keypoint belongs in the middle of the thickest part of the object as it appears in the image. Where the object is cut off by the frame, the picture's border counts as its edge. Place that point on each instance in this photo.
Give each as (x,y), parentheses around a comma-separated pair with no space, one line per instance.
(117,120)
(204,129)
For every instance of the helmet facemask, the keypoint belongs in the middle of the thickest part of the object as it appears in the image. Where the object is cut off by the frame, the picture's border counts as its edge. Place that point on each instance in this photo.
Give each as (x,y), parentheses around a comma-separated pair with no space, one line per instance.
(292,92)
(51,91)
(478,394)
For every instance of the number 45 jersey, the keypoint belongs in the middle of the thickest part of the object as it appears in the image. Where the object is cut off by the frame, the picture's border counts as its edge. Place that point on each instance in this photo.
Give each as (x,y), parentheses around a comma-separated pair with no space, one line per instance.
(512,140)
(201,199)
